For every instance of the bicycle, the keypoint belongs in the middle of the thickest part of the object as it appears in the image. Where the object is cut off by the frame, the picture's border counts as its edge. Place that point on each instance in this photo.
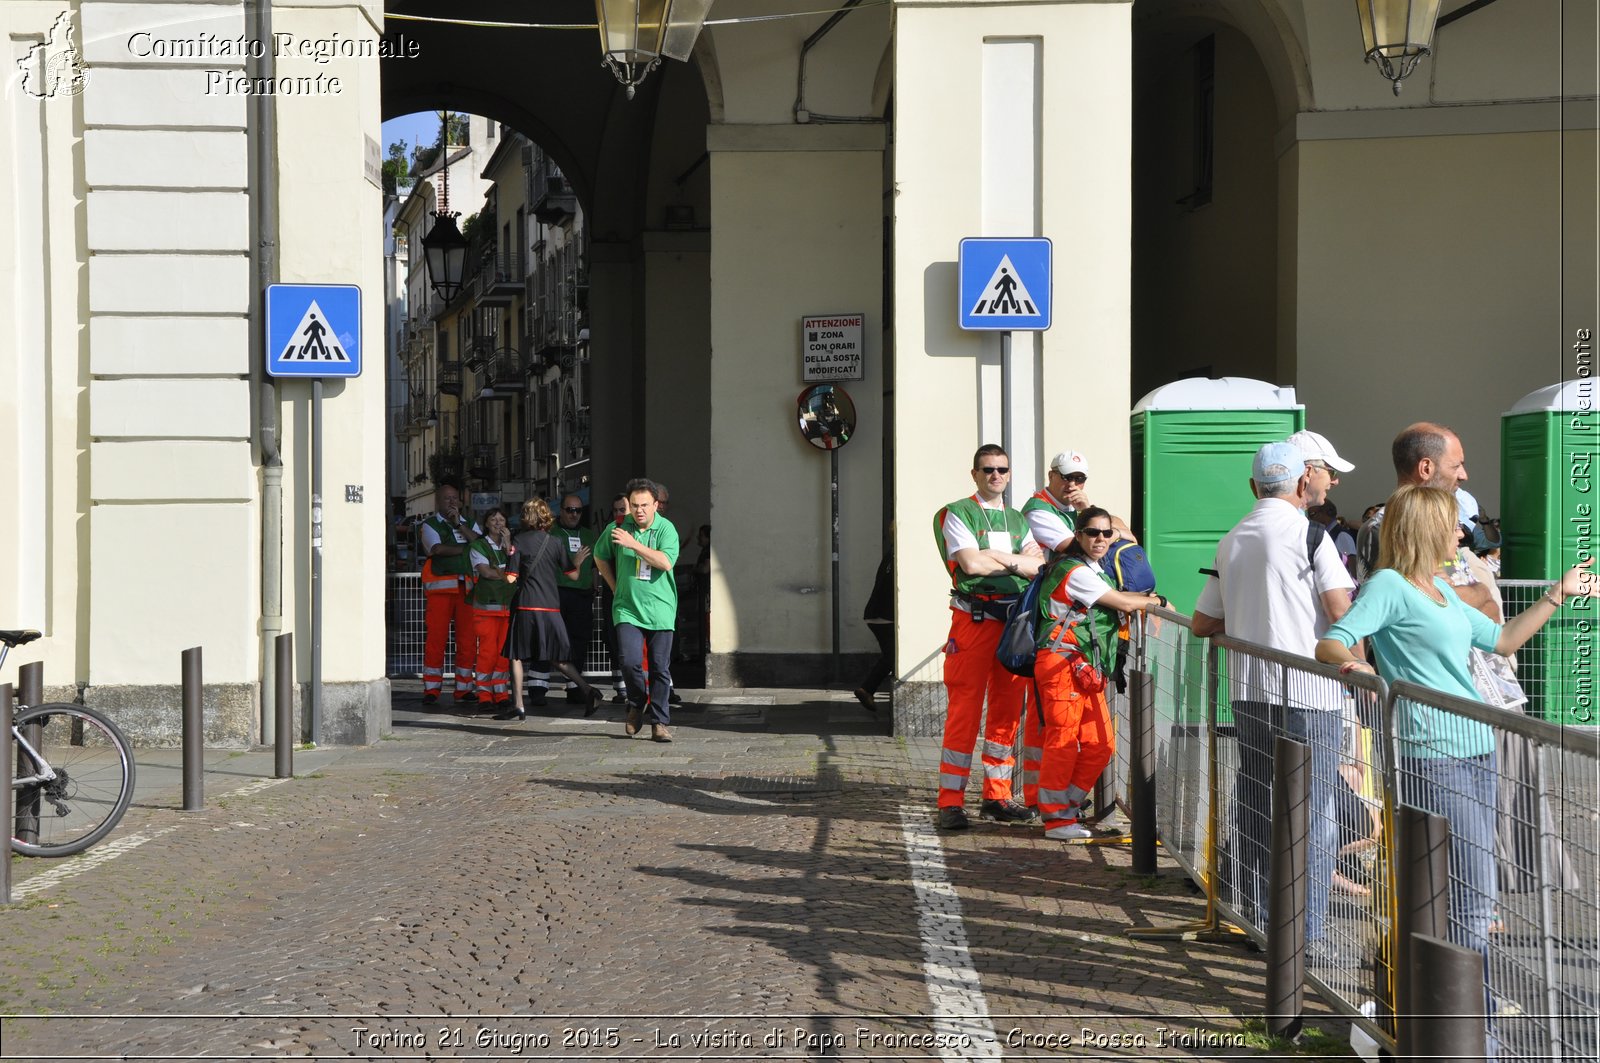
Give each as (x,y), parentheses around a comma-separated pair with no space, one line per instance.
(73,775)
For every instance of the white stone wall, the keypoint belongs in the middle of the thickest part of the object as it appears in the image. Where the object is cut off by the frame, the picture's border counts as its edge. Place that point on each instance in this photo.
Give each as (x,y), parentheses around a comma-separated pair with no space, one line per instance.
(1069,173)
(169,420)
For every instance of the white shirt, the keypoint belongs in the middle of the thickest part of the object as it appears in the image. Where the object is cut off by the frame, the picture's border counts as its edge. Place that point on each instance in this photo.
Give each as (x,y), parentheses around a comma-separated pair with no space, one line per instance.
(957,536)
(1084,583)
(1049,526)
(1268,593)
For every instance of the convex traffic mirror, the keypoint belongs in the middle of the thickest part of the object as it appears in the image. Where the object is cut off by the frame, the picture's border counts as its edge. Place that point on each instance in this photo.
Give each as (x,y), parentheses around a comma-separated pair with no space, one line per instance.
(827,416)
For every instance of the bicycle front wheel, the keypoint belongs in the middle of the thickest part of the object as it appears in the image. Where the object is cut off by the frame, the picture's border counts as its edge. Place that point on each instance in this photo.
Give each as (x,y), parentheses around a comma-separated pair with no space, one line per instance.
(92,784)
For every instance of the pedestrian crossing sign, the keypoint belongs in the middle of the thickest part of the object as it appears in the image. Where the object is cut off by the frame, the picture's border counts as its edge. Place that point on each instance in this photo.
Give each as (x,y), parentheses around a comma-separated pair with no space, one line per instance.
(1005,283)
(313,330)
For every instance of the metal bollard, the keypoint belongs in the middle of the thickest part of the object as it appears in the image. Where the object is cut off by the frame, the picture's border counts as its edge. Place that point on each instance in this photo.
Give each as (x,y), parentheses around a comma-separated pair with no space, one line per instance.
(283,740)
(1286,887)
(30,691)
(7,771)
(1142,766)
(1446,1021)
(1422,909)
(194,795)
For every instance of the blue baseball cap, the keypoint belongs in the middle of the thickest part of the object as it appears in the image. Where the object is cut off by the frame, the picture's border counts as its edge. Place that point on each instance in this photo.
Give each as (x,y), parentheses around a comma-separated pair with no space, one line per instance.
(1278,463)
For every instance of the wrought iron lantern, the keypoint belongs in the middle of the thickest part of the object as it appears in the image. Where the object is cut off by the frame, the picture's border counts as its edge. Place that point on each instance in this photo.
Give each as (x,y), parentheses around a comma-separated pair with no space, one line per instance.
(445,255)
(635,34)
(1396,34)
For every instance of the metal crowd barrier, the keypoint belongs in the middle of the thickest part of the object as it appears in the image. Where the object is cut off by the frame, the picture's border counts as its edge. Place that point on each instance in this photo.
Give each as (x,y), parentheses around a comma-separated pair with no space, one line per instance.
(1523,871)
(407,634)
(1521,794)
(1262,695)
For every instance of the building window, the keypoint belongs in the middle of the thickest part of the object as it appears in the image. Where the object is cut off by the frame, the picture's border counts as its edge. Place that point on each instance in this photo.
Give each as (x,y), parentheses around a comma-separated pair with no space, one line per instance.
(1205,123)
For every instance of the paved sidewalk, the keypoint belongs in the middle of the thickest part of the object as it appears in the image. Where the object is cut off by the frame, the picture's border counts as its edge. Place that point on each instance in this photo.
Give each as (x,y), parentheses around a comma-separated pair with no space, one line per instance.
(766,886)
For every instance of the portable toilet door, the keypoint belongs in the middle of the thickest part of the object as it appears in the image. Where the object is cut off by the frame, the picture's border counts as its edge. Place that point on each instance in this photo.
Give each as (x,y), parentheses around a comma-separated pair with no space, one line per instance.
(1549,494)
(1193,442)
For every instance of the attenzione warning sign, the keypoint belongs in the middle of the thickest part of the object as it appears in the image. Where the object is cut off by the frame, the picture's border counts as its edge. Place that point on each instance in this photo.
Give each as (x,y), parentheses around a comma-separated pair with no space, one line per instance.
(830,347)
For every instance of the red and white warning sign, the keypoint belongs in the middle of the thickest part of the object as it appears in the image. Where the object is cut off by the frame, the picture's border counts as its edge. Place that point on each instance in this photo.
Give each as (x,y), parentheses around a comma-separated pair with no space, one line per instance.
(830,347)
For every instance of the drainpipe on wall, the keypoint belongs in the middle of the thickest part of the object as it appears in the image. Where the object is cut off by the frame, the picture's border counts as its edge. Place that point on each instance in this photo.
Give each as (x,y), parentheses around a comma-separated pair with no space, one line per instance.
(263,154)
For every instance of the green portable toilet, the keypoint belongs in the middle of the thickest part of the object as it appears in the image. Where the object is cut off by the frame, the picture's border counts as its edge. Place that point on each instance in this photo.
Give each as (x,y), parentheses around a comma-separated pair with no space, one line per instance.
(1549,494)
(1193,441)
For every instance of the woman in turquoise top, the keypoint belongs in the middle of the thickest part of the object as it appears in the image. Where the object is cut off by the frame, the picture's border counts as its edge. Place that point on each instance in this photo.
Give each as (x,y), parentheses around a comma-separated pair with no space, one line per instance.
(1421,632)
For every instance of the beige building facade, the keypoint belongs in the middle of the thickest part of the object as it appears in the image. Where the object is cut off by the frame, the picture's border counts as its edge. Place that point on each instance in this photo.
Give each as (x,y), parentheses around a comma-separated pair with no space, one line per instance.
(1229,189)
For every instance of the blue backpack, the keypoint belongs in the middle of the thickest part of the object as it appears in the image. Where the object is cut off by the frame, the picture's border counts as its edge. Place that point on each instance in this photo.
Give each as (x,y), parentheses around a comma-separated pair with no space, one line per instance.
(1127,564)
(1018,638)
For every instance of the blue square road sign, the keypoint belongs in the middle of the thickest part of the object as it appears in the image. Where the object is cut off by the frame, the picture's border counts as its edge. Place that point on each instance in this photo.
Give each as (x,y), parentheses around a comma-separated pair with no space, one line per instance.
(313,330)
(1005,283)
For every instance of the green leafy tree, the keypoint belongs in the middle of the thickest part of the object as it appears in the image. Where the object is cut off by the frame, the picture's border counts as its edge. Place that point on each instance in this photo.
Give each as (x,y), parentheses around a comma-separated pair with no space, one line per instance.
(397,167)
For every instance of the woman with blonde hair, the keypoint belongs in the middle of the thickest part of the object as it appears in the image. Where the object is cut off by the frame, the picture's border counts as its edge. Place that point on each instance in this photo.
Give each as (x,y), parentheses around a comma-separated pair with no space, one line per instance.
(1421,631)
(536,632)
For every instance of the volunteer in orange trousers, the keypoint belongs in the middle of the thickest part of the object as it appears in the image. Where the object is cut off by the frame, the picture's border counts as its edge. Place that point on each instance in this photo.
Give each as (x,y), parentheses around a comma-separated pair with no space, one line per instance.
(990,556)
(1080,614)
(444,539)
(493,565)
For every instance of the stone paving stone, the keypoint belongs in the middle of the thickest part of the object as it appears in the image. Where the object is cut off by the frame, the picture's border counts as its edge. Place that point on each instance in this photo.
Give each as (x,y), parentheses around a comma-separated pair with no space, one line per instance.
(440,896)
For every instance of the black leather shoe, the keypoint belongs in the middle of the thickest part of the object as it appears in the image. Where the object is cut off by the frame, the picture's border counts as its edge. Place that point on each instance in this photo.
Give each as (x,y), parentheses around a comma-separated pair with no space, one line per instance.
(953,818)
(595,698)
(1007,811)
(511,714)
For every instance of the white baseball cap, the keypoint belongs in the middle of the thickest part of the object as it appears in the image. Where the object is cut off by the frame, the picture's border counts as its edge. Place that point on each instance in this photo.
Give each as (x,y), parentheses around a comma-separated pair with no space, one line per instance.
(1315,447)
(1070,461)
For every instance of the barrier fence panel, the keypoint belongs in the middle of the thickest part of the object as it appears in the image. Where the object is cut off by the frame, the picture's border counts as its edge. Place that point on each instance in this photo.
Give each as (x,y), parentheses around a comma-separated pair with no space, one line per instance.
(1534,661)
(1522,796)
(407,633)
(1176,662)
(1270,694)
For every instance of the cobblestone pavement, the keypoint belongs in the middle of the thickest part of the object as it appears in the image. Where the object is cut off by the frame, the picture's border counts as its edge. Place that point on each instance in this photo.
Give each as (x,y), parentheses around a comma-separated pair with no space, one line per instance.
(555,890)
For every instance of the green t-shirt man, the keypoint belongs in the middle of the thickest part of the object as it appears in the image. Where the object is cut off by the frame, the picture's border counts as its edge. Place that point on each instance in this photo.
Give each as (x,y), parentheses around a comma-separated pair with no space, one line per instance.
(646,596)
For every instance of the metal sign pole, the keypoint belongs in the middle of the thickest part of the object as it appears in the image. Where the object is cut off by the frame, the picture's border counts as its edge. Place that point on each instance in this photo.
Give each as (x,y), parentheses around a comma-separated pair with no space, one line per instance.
(316,561)
(1006,398)
(833,483)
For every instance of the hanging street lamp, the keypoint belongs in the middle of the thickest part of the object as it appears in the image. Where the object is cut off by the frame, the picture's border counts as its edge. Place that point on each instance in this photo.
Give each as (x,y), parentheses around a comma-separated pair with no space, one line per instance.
(1396,34)
(635,34)
(444,249)
(445,255)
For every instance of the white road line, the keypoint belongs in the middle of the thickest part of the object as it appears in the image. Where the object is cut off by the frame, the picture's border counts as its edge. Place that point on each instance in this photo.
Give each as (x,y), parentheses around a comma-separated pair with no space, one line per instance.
(960,1011)
(251,788)
(93,858)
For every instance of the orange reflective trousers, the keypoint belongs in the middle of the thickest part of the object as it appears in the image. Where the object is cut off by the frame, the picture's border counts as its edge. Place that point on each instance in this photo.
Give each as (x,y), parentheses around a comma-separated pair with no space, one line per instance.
(971,673)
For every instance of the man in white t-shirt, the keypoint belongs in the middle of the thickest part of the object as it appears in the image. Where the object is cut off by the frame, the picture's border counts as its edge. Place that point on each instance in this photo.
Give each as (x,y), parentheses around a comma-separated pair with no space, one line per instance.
(1267,590)
(1052,511)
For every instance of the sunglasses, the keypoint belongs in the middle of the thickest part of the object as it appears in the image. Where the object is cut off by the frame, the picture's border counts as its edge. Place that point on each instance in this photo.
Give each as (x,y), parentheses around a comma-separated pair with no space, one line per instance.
(990,470)
(572,509)
(1076,478)
(1099,533)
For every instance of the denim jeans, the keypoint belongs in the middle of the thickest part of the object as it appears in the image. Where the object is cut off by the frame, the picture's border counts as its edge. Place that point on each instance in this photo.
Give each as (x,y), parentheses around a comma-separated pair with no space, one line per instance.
(1258,724)
(646,692)
(1462,791)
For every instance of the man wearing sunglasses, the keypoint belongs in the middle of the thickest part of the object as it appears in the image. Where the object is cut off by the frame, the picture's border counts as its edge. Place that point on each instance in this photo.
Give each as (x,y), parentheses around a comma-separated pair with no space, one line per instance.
(1052,511)
(576,590)
(990,556)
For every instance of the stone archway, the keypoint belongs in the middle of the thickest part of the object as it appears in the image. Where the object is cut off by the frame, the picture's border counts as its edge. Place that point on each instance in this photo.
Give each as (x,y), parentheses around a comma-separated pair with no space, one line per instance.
(1211,270)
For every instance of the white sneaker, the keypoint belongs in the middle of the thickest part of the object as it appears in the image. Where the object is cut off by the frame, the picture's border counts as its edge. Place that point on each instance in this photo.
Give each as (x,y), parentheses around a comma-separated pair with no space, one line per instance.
(1069,832)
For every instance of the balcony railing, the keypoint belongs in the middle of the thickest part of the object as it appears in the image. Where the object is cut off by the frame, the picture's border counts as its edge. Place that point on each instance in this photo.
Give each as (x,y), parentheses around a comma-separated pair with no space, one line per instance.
(555,200)
(450,378)
(482,462)
(499,277)
(507,371)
